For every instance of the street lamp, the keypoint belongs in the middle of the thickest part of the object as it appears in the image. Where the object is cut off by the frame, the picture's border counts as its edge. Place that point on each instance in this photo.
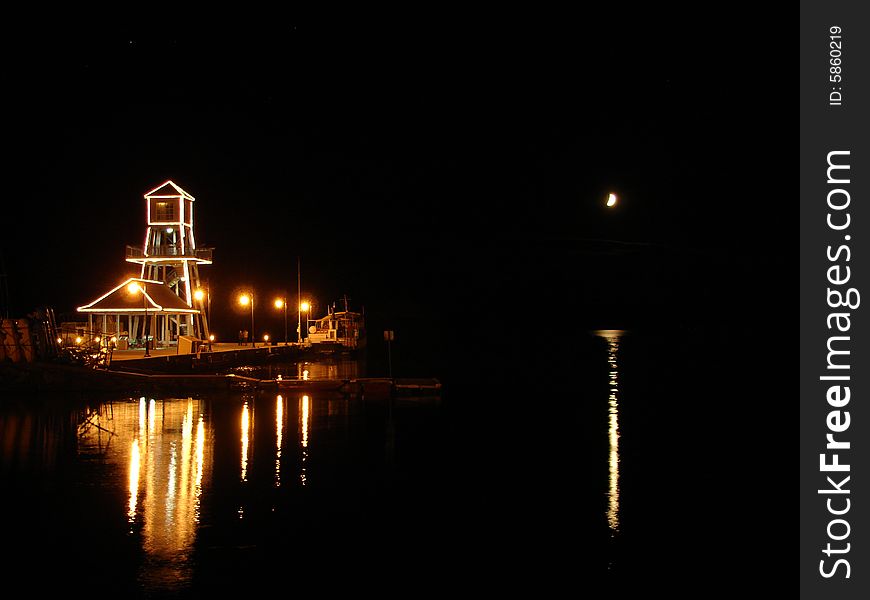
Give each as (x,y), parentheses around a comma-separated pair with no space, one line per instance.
(282,303)
(244,299)
(306,308)
(199,295)
(134,288)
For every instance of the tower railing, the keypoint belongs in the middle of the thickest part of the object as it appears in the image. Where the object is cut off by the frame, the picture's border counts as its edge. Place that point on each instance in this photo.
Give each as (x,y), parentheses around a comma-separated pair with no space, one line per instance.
(170,251)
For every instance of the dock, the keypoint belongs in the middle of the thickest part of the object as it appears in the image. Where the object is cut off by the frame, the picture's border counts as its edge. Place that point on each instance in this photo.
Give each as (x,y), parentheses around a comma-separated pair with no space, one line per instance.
(52,377)
(218,357)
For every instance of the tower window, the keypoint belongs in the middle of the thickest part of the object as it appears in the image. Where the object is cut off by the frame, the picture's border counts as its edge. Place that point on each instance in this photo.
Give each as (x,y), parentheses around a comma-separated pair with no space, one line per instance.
(163,211)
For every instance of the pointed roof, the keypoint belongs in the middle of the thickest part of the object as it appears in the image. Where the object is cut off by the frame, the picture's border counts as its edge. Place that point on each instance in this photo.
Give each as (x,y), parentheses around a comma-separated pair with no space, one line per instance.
(168,189)
(158,297)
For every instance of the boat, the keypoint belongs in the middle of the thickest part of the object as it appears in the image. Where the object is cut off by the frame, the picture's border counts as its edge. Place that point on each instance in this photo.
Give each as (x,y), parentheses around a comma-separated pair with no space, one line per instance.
(339,331)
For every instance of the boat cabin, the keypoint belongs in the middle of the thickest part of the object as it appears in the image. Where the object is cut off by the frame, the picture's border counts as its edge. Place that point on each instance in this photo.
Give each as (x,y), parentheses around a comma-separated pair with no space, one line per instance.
(342,328)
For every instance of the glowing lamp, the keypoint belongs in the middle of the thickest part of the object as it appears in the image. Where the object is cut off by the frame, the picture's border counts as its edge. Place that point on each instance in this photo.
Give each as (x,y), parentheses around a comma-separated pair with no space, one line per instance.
(199,294)
(244,299)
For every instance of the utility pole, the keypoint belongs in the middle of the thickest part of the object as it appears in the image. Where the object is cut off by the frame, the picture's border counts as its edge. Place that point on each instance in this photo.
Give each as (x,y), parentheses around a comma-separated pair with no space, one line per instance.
(299,299)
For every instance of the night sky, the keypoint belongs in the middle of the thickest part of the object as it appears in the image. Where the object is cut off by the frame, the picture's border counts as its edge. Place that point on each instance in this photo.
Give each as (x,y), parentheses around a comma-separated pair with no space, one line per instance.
(449,174)
(430,172)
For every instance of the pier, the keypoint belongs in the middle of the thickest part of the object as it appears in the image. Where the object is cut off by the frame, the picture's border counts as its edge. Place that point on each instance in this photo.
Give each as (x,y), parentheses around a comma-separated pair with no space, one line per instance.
(166,371)
(218,356)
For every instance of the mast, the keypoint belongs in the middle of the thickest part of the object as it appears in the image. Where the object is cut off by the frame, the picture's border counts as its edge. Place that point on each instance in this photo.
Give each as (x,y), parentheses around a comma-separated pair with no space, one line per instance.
(299,299)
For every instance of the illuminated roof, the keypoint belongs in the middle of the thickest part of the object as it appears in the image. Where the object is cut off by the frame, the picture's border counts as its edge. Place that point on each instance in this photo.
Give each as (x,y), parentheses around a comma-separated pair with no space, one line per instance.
(158,297)
(168,189)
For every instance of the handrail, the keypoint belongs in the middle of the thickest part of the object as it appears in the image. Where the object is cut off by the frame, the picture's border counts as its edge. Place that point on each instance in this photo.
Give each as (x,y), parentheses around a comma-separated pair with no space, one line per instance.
(164,251)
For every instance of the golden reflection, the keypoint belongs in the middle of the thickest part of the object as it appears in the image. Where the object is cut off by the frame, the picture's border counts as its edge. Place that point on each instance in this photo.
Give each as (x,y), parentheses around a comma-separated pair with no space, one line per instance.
(328,369)
(134,480)
(200,456)
(279,430)
(613,338)
(305,402)
(170,487)
(245,427)
(304,418)
(168,464)
(142,411)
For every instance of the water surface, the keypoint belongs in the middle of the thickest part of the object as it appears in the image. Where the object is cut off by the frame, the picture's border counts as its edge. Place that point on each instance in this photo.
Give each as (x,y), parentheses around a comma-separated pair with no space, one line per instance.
(551,474)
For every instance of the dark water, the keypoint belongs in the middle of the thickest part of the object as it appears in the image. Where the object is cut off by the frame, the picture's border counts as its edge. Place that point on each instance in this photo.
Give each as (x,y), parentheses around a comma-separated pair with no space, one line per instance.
(604,461)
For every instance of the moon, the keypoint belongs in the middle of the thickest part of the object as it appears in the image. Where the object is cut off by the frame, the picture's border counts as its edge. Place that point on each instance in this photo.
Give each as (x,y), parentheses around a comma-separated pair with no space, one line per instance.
(611,200)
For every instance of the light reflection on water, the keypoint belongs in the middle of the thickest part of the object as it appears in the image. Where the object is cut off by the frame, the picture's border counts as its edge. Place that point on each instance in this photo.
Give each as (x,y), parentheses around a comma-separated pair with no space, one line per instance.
(168,462)
(305,370)
(167,447)
(134,480)
(612,336)
(303,437)
(246,426)
(279,435)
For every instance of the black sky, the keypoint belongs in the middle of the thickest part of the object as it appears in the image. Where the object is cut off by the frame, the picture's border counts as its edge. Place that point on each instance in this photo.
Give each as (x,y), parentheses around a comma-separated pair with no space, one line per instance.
(411,167)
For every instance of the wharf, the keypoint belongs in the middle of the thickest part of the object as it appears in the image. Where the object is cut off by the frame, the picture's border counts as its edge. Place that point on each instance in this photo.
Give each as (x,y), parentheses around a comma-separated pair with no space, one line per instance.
(49,377)
(221,356)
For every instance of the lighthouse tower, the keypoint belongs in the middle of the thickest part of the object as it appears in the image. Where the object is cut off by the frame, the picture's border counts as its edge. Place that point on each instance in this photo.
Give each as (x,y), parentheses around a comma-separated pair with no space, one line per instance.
(170,255)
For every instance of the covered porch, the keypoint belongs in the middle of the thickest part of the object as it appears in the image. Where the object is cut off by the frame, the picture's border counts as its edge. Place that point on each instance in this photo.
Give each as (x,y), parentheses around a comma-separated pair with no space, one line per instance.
(138,309)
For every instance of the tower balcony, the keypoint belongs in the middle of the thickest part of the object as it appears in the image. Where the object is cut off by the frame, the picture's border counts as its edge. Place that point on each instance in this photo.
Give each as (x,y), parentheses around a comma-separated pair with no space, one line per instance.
(167,253)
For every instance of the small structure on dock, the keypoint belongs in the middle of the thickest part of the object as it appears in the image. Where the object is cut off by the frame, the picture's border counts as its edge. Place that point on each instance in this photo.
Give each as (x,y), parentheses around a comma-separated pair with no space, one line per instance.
(338,330)
(124,310)
(162,303)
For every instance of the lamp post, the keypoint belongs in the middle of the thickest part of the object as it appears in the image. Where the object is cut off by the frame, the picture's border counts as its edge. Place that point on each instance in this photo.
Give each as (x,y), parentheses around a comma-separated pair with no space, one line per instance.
(244,299)
(282,303)
(306,308)
(140,287)
(299,298)
(200,295)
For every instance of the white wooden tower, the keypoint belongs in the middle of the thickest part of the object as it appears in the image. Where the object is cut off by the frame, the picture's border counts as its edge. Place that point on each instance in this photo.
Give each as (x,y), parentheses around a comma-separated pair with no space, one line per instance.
(170,254)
